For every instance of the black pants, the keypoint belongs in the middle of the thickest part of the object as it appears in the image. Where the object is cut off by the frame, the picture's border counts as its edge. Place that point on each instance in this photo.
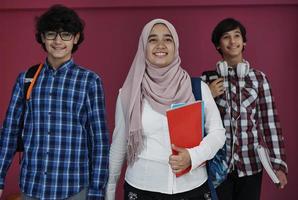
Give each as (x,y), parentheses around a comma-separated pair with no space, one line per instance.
(200,193)
(240,188)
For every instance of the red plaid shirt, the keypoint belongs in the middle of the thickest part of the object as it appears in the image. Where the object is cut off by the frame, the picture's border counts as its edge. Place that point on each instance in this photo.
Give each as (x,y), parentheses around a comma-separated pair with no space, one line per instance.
(247,124)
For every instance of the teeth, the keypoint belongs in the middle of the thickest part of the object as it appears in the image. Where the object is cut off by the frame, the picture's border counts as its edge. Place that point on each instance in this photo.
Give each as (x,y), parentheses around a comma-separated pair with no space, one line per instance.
(233,47)
(160,54)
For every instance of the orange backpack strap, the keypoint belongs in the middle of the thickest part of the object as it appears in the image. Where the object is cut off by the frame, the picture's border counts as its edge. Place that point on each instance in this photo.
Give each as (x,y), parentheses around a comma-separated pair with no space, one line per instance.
(33,71)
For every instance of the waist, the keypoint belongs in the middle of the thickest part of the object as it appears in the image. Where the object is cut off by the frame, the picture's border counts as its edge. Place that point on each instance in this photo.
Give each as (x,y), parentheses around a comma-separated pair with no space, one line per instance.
(145,174)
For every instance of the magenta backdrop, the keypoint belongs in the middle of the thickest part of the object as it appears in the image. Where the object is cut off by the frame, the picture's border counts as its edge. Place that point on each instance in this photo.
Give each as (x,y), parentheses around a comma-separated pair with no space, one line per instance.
(112,32)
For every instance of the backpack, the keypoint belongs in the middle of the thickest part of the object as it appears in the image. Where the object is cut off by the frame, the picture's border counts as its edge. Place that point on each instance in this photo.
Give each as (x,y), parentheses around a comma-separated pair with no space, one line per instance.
(30,78)
(217,167)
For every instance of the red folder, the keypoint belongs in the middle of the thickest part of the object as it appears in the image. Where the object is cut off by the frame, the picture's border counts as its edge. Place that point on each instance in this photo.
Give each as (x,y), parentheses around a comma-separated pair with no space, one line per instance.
(186,126)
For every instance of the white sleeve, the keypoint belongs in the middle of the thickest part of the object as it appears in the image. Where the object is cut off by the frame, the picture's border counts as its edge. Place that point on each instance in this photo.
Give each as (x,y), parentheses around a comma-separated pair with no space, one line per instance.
(117,152)
(214,129)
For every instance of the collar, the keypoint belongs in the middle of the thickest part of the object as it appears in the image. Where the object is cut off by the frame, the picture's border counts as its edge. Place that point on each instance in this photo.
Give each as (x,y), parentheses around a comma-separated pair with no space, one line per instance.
(61,68)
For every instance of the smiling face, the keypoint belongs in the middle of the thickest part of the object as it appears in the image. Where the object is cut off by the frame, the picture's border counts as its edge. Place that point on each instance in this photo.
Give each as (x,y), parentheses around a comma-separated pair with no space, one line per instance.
(160,48)
(231,45)
(59,51)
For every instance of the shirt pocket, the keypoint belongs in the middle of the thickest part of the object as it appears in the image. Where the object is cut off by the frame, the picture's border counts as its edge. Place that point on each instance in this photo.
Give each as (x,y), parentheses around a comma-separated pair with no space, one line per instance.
(249,98)
(222,106)
(72,103)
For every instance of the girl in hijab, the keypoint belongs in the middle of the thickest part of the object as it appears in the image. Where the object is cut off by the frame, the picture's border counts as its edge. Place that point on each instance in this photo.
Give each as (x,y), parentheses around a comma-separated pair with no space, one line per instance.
(141,136)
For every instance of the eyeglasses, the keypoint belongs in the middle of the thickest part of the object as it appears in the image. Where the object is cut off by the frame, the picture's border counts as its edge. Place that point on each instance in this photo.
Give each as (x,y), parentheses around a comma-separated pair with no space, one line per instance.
(64,35)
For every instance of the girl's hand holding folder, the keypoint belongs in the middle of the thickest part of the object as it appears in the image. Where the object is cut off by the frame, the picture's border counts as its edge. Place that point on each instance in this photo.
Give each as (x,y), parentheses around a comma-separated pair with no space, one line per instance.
(179,161)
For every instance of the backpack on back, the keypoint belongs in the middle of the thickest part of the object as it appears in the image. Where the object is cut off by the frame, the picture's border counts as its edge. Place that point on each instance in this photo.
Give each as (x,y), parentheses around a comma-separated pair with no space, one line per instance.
(30,78)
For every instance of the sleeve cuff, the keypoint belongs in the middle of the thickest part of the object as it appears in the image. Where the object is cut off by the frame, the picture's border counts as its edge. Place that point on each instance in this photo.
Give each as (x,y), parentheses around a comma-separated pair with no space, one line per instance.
(1,184)
(281,167)
(95,195)
(197,160)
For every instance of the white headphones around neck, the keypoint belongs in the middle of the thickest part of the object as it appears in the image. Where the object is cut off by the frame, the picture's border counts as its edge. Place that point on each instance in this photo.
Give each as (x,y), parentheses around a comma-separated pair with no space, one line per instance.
(242,69)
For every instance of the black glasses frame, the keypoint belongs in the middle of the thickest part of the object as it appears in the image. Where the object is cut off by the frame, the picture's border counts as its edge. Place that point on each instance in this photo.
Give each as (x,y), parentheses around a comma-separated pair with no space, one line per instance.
(64,35)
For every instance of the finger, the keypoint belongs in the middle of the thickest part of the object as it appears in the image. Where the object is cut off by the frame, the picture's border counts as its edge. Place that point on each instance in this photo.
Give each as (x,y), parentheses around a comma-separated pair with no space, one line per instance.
(175,158)
(283,183)
(175,167)
(173,162)
(221,87)
(177,171)
(220,84)
(220,92)
(217,80)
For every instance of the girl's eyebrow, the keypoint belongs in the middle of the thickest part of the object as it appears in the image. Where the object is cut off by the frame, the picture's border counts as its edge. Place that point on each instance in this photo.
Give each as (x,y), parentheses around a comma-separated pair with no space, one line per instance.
(168,35)
(155,35)
(152,35)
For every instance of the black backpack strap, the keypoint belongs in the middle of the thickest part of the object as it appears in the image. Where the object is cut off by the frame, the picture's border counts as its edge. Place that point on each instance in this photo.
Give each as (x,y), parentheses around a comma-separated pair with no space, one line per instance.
(196,88)
(29,77)
(27,81)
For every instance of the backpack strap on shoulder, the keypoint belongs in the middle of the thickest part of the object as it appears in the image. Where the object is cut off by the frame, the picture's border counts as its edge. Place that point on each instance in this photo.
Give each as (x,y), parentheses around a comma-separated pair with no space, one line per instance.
(196,88)
(30,78)
(30,75)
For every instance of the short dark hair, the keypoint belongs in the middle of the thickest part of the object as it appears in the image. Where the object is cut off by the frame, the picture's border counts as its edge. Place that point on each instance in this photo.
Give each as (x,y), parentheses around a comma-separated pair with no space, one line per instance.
(224,26)
(57,18)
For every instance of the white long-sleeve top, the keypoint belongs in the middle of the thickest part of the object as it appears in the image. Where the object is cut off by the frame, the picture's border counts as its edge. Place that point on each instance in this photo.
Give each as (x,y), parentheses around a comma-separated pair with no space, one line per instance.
(151,171)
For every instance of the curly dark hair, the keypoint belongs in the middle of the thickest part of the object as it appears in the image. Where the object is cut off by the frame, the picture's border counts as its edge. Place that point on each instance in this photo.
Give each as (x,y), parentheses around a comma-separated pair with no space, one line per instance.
(224,26)
(57,18)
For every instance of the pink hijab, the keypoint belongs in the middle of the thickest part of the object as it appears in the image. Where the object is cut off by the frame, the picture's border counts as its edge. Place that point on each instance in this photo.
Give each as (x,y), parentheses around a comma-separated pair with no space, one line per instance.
(161,87)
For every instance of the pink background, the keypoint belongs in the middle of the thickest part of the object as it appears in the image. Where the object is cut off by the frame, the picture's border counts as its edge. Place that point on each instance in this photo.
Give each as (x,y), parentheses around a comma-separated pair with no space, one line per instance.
(112,32)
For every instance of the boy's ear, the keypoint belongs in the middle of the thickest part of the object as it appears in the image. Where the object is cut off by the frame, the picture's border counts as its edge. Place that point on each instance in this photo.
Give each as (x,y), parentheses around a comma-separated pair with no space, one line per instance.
(244,44)
(76,38)
(42,38)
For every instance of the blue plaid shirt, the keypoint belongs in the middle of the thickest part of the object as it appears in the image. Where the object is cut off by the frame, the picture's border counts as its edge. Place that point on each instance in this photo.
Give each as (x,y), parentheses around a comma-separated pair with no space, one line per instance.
(65,134)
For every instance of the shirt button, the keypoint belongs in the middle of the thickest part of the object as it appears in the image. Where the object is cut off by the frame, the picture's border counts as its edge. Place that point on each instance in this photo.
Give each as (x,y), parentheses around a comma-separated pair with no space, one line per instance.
(236,157)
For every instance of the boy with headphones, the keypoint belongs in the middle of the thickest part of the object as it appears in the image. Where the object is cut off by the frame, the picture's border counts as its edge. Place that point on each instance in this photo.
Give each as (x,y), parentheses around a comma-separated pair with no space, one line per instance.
(245,101)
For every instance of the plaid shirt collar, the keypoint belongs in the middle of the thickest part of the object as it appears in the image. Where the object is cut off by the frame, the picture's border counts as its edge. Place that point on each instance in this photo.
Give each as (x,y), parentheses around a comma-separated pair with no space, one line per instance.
(66,65)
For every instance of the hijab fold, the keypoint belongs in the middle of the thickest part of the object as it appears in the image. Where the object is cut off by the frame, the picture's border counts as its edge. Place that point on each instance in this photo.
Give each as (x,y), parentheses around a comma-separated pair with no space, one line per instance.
(161,87)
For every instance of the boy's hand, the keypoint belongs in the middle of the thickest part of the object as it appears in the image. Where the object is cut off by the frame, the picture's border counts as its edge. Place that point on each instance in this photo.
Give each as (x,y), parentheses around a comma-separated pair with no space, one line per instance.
(282,178)
(1,191)
(217,87)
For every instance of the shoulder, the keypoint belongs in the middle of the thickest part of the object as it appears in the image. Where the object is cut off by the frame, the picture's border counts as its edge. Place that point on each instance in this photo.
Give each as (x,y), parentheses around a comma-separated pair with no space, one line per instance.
(21,78)
(257,77)
(85,73)
(204,85)
(257,74)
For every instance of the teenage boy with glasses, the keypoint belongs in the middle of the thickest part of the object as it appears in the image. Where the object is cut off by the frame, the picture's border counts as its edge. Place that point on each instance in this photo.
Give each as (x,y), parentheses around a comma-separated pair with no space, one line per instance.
(65,135)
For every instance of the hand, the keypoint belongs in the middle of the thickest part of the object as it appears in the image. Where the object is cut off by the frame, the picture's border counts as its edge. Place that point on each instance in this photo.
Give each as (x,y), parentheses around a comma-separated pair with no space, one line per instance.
(1,191)
(217,87)
(180,161)
(282,178)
